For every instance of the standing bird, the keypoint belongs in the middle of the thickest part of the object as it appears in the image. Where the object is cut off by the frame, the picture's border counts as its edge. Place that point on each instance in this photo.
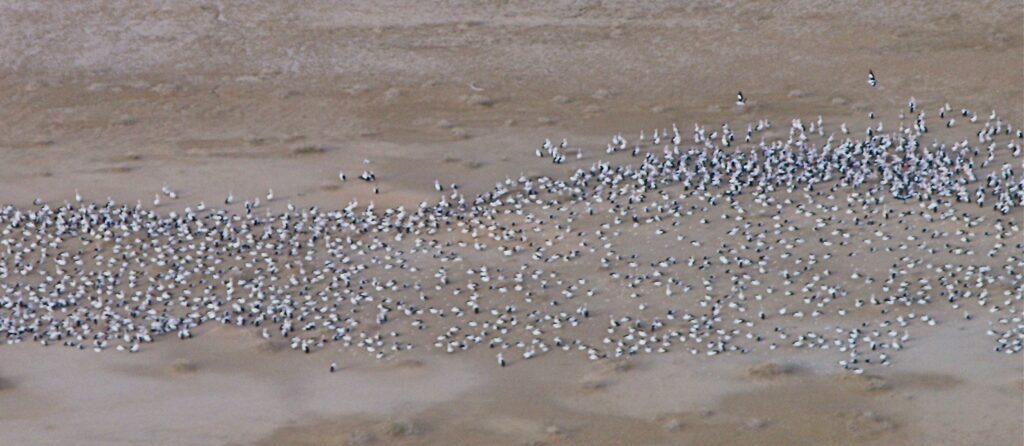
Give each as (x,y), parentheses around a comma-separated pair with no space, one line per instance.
(872,80)
(341,175)
(230,198)
(169,192)
(740,100)
(270,194)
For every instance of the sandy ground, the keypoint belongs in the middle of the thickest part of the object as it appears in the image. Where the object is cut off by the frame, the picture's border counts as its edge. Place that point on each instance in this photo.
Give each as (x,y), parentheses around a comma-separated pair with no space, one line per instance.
(223,388)
(119,98)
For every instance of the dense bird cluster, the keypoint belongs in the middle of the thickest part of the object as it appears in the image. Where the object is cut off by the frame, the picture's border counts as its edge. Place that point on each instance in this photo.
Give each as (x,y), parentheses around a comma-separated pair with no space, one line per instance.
(808,239)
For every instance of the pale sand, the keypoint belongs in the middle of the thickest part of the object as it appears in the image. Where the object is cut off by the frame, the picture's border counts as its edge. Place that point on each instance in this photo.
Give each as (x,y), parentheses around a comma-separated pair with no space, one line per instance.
(117,100)
(220,389)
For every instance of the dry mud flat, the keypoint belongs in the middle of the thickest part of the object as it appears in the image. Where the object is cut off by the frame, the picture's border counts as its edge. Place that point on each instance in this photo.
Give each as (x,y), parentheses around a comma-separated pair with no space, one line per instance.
(230,95)
(117,99)
(225,387)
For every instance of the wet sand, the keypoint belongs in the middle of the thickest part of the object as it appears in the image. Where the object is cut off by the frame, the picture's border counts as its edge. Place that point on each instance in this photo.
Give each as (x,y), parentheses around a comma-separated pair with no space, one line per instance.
(242,96)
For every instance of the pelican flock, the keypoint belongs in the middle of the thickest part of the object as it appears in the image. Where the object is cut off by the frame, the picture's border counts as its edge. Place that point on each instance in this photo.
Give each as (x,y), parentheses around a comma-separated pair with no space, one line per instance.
(804,236)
